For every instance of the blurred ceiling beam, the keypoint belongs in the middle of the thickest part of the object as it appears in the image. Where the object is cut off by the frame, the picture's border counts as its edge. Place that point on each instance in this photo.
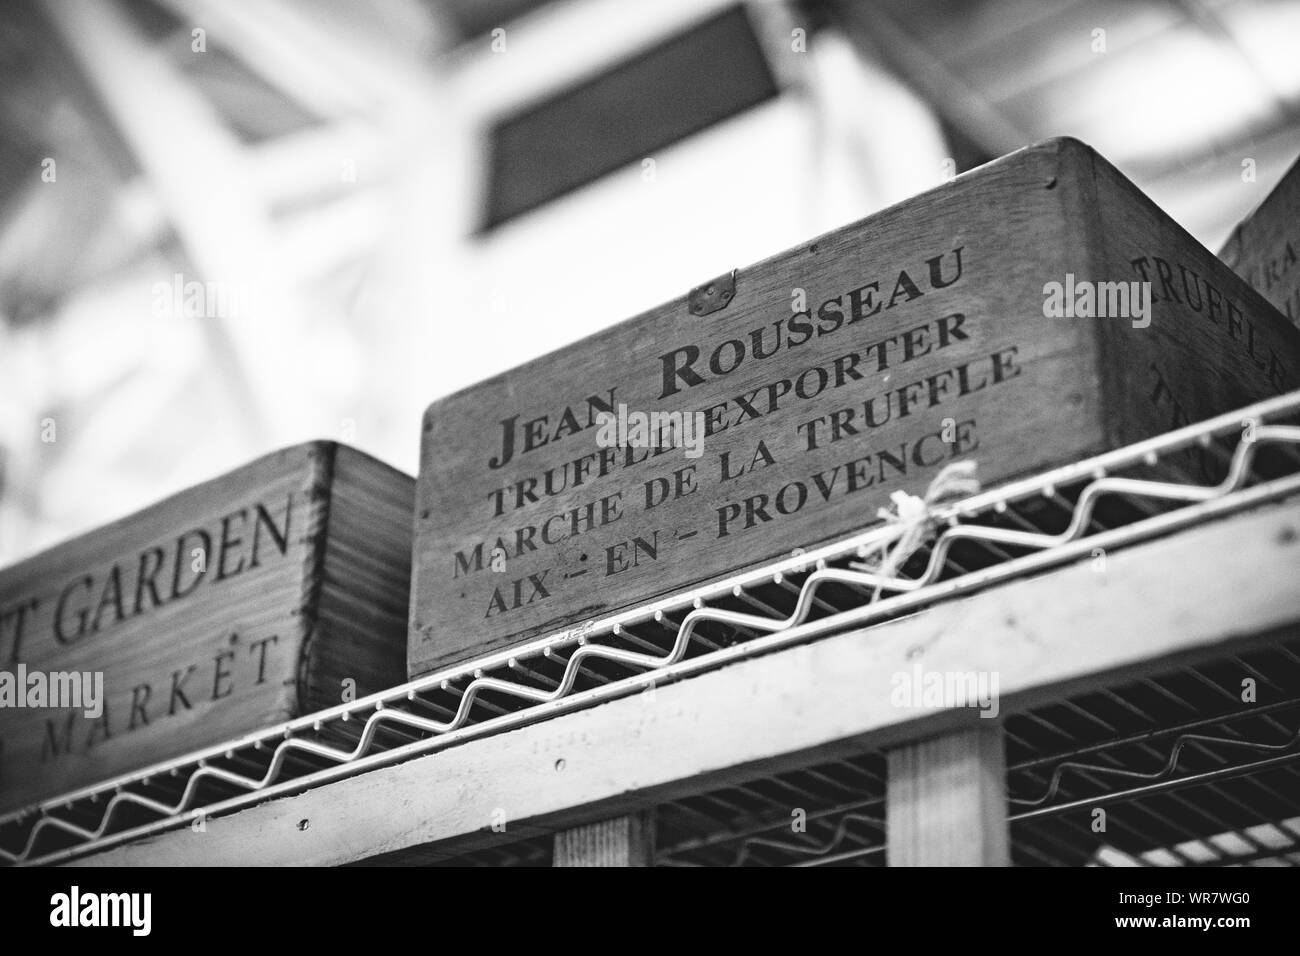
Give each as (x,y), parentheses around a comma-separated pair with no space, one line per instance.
(856,168)
(200,172)
(873,28)
(1247,142)
(277,58)
(414,29)
(1212,23)
(559,46)
(311,54)
(287,175)
(318,241)
(1208,198)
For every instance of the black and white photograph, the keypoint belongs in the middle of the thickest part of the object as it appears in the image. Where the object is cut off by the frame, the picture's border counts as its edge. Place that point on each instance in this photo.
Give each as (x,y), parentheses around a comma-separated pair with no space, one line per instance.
(673,434)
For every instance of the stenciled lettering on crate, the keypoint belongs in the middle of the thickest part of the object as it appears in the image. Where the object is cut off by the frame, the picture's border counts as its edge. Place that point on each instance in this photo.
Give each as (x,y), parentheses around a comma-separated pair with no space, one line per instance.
(1265,248)
(961,324)
(278,589)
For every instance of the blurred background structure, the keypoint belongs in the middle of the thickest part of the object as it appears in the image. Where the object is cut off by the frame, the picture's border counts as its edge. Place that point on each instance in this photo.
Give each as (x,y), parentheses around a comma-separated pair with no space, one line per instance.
(231,225)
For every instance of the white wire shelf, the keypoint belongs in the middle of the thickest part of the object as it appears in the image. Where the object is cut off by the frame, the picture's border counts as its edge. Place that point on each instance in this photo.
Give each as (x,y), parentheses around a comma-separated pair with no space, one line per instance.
(1156,487)
(1187,773)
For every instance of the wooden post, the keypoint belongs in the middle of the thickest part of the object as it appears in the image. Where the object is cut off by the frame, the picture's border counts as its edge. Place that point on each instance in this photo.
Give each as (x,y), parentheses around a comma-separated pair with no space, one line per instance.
(945,802)
(622,841)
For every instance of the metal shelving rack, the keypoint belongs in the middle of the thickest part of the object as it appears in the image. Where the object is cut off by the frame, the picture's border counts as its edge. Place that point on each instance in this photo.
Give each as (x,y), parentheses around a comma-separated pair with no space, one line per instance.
(1213,783)
(1188,774)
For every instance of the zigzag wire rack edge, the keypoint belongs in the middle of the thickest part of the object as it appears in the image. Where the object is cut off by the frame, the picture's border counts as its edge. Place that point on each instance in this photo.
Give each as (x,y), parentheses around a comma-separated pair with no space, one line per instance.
(597,694)
(1050,549)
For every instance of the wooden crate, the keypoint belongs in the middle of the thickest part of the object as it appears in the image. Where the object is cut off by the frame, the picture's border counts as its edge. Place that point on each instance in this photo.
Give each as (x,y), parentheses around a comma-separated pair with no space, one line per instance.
(273,591)
(1265,249)
(828,376)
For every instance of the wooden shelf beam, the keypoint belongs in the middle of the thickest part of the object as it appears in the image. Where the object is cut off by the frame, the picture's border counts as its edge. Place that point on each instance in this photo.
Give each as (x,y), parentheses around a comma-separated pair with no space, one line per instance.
(1215,589)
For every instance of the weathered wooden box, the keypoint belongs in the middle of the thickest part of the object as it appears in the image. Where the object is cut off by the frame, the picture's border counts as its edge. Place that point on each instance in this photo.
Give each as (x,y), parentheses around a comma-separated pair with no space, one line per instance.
(275,590)
(1265,249)
(826,378)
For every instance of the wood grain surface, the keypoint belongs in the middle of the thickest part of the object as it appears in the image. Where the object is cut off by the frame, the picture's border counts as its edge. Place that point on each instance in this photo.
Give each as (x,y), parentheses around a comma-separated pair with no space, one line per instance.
(946,802)
(1214,344)
(838,372)
(627,840)
(1265,248)
(241,602)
